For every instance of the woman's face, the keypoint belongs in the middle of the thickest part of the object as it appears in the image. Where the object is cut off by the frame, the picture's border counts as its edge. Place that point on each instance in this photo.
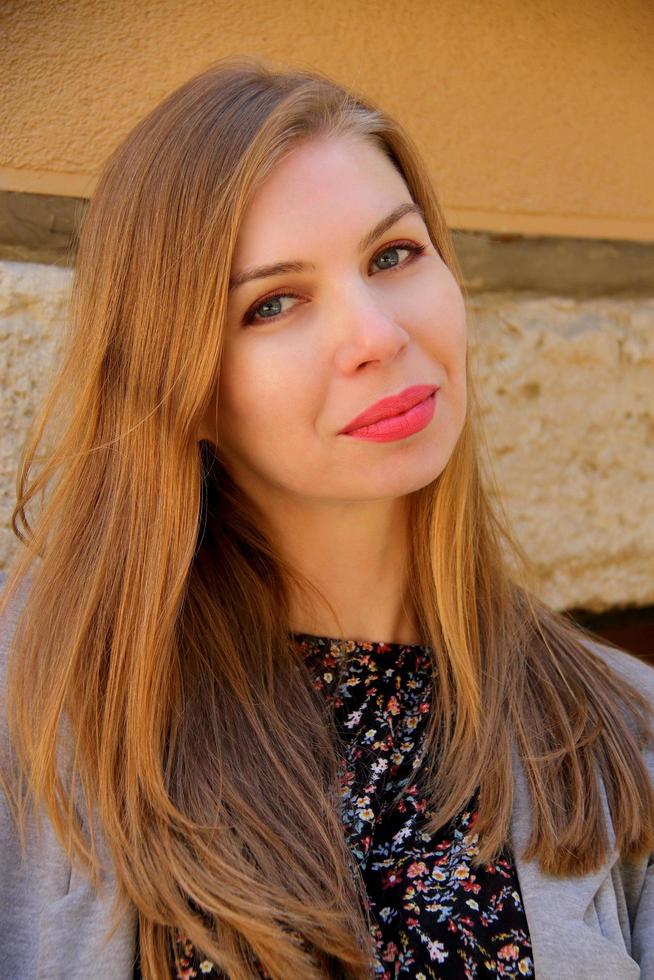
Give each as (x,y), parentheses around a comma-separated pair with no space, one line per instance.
(349,321)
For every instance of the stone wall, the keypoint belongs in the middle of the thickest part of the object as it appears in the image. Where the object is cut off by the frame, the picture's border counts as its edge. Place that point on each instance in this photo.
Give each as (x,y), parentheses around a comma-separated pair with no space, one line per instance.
(567,390)
(33,307)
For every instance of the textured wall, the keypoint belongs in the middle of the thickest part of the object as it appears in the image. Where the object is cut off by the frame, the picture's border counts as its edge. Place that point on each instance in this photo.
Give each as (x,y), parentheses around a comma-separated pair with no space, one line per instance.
(567,389)
(533,117)
(33,307)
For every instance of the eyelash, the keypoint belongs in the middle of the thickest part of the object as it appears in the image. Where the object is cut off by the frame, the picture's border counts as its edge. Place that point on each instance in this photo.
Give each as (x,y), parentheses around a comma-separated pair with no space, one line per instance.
(249,315)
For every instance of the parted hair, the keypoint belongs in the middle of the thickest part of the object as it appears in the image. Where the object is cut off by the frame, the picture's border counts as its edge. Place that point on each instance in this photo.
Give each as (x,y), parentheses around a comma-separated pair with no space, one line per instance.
(155,698)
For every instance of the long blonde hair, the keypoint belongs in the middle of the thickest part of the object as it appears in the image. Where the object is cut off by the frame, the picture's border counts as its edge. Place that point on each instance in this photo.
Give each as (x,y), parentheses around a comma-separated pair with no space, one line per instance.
(154,639)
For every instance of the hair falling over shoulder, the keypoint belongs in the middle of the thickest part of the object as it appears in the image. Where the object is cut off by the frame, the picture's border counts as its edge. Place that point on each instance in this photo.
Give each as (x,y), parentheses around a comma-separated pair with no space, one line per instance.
(154,643)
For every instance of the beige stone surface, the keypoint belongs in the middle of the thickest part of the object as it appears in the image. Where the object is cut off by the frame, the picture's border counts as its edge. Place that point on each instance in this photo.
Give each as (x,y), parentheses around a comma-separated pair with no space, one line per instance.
(567,391)
(33,305)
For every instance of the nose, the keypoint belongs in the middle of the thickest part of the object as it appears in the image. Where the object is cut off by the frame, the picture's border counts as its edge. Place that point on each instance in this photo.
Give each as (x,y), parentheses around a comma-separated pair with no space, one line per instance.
(368,332)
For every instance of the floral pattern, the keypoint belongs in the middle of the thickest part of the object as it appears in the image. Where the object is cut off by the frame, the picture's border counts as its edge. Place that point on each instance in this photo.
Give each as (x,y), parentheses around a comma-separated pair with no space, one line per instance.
(434,915)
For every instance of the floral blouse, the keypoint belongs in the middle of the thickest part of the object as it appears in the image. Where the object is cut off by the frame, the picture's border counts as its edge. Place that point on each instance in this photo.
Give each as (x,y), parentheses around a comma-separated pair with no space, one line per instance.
(433,914)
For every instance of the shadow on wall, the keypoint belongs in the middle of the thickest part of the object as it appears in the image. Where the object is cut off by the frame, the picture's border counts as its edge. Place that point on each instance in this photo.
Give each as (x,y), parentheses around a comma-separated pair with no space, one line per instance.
(632,628)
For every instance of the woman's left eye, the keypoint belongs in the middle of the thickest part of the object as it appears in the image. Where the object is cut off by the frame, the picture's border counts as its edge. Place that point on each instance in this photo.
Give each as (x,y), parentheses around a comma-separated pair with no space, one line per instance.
(392,251)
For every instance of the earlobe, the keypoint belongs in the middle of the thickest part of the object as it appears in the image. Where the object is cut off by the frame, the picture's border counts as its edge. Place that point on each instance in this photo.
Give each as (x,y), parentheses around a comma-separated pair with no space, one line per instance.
(205,436)
(207,427)
(202,433)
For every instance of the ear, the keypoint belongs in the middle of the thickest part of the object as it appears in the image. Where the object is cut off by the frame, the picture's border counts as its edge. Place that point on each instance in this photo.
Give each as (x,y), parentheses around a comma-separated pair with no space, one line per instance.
(207,426)
(203,434)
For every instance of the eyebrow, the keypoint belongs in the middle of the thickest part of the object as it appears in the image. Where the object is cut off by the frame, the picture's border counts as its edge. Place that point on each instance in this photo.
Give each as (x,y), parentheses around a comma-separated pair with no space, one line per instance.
(295,265)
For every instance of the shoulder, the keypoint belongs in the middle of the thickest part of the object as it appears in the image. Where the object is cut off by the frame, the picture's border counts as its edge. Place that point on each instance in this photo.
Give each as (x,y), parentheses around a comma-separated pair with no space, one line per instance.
(632,671)
(47,905)
(632,881)
(639,675)
(9,616)
(630,668)
(10,613)
(598,924)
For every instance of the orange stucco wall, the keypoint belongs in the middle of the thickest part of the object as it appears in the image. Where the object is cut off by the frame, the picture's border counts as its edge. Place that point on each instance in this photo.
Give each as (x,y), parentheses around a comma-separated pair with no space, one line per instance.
(535,116)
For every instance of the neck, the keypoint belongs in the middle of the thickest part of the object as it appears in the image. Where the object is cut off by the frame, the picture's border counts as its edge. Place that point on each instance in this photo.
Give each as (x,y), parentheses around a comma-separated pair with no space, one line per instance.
(355,555)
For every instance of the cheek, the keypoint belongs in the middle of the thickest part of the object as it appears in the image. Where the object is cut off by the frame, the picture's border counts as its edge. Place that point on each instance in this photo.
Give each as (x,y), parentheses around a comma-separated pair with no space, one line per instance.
(245,391)
(261,386)
(440,312)
(444,339)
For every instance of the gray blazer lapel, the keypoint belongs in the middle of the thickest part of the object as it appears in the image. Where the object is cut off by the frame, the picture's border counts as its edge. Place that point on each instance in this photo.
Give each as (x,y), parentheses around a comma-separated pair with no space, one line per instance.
(575,926)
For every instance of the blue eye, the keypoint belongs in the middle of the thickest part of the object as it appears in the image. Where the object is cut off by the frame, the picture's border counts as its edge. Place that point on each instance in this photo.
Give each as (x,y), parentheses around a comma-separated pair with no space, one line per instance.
(394,249)
(271,307)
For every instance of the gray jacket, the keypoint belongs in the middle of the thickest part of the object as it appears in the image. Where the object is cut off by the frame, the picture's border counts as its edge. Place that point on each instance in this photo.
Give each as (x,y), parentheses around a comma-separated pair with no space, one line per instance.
(596,927)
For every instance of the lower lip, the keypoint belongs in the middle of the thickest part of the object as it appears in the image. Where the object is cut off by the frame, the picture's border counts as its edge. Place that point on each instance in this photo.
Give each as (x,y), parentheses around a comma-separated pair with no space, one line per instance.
(399,426)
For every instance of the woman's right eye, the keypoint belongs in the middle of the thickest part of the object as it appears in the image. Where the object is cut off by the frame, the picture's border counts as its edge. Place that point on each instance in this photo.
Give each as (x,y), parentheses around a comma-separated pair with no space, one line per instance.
(269,308)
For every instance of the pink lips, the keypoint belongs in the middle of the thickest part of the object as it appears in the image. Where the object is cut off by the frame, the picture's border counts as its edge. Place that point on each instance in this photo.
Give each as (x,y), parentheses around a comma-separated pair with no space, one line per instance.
(395,417)
(393,405)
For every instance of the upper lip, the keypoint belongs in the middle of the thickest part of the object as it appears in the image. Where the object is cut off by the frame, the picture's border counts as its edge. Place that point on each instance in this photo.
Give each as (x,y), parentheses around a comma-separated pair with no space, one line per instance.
(386,408)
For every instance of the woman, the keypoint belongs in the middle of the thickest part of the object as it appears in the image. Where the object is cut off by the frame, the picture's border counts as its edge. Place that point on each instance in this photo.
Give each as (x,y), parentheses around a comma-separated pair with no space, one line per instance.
(275,683)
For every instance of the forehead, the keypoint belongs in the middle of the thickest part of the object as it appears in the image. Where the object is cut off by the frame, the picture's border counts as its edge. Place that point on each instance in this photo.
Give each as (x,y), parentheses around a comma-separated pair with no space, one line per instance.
(323,183)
